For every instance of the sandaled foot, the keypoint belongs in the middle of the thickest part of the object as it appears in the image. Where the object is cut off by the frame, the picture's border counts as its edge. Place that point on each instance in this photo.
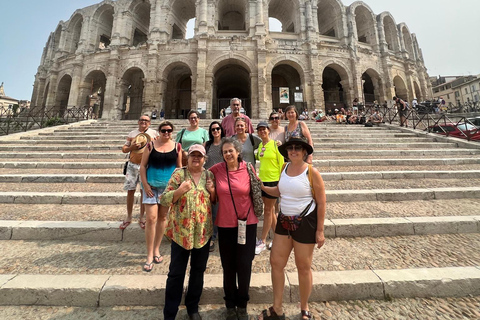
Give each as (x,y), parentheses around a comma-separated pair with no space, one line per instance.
(157,259)
(147,267)
(272,316)
(142,224)
(124,224)
(306,314)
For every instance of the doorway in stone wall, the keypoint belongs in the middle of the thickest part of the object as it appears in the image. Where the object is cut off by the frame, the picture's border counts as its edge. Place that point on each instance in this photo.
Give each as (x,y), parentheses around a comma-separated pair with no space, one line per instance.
(231,81)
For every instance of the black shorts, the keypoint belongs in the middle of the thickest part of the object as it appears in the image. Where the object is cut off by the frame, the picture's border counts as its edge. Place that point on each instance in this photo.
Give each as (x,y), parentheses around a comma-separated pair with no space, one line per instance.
(305,232)
(269,184)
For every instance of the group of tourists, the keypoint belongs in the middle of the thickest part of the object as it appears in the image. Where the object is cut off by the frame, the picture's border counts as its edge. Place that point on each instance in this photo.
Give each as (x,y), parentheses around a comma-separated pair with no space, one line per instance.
(200,189)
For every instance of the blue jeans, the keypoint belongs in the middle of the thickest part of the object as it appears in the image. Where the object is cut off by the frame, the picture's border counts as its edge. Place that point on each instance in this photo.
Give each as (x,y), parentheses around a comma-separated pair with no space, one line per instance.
(176,276)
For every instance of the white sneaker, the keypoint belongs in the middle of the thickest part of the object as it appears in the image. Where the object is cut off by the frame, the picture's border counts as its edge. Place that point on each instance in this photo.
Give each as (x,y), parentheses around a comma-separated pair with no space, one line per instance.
(260,247)
(270,245)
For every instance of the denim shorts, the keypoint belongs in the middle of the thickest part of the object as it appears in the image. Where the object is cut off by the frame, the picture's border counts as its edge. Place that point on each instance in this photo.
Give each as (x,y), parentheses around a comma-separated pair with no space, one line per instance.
(155,199)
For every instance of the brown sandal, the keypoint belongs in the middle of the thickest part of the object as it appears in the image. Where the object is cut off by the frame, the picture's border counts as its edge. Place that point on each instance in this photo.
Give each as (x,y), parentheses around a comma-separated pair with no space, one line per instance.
(273,315)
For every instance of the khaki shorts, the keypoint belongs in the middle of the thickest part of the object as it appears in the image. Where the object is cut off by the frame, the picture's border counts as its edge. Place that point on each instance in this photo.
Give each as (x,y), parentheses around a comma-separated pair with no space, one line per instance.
(132,178)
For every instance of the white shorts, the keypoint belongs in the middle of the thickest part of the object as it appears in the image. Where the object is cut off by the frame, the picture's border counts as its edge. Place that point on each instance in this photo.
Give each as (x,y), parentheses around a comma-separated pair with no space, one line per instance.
(132,178)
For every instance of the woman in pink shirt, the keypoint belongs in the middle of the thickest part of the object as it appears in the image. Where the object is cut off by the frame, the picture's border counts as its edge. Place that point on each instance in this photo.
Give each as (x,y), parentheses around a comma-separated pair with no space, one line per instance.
(237,227)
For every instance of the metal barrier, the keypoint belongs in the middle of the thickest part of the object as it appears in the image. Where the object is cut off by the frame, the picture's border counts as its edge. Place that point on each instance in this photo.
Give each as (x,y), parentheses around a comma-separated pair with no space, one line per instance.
(39,117)
(424,121)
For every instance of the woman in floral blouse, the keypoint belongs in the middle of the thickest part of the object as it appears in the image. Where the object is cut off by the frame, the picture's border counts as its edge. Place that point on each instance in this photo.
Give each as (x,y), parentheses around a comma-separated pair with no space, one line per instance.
(189,194)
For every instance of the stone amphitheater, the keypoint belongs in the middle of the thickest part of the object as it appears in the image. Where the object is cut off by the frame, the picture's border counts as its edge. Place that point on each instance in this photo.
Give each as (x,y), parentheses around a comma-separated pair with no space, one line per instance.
(125,58)
(402,225)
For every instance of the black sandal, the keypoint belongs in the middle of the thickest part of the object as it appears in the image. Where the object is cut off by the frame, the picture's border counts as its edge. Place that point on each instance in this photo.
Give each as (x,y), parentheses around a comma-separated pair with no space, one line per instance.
(273,315)
(308,314)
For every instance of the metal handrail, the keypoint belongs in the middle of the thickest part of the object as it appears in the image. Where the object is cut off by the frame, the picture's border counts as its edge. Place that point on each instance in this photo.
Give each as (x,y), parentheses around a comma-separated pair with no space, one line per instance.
(38,117)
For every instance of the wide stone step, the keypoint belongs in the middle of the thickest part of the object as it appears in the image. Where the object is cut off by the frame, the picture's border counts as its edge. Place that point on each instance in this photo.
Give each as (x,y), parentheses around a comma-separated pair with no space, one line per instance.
(134,290)
(334,228)
(327,176)
(115,153)
(332,196)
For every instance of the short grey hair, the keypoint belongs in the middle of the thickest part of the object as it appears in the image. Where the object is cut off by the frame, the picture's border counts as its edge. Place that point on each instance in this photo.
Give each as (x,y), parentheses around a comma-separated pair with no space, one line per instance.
(235,99)
(236,144)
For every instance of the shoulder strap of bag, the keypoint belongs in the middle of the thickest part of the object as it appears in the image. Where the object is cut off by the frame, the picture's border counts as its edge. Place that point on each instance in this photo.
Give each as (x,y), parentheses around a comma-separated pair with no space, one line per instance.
(181,135)
(231,195)
(310,179)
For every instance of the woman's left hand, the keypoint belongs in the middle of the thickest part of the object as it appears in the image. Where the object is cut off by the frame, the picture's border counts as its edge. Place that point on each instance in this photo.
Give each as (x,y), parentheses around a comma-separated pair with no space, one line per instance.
(320,238)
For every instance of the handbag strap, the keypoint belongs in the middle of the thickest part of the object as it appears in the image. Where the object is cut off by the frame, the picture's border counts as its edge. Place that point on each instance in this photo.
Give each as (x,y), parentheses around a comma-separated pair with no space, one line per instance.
(231,195)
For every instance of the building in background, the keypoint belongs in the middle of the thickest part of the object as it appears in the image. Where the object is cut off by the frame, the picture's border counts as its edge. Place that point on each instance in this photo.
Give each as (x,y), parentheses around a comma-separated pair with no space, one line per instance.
(132,56)
(6,103)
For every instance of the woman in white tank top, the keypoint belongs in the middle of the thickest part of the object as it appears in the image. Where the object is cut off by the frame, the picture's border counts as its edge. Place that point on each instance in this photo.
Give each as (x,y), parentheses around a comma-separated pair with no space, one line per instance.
(300,224)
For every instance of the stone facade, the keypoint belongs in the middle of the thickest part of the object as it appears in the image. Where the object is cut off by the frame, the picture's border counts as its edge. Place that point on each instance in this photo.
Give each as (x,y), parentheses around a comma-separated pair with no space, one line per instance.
(130,57)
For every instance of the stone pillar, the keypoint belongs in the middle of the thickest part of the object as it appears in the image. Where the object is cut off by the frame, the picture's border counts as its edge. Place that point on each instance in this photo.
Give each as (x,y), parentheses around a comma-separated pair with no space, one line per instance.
(112,108)
(52,89)
(256,91)
(315,21)
(200,86)
(383,45)
(202,12)
(38,90)
(403,49)
(155,18)
(310,28)
(259,19)
(73,98)
(84,35)
(150,95)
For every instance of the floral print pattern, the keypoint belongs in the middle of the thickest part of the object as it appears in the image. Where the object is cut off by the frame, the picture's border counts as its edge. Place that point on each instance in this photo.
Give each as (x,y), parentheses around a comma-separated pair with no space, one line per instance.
(190,218)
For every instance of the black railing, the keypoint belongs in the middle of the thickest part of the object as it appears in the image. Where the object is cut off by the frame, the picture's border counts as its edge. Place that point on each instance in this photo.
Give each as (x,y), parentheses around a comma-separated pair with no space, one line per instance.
(40,117)
(424,120)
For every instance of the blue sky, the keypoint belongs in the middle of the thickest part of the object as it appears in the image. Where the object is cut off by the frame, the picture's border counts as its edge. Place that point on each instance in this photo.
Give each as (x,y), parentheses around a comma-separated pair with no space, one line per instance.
(447,35)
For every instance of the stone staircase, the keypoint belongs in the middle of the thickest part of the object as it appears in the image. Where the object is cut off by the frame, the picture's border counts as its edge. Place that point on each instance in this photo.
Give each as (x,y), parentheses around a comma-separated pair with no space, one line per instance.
(402,222)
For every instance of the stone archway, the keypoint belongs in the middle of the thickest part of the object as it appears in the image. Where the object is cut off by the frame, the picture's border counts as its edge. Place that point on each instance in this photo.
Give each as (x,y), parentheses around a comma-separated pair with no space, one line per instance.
(418,92)
(178,94)
(333,89)
(401,90)
(63,93)
(231,81)
(45,95)
(286,76)
(92,92)
(132,93)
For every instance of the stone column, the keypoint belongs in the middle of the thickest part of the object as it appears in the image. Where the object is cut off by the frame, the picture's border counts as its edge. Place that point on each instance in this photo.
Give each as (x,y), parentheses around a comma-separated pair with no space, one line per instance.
(112,97)
(84,35)
(38,90)
(314,21)
(256,91)
(310,28)
(73,98)
(202,12)
(150,97)
(52,89)
(200,81)
(259,19)
(383,45)
(349,92)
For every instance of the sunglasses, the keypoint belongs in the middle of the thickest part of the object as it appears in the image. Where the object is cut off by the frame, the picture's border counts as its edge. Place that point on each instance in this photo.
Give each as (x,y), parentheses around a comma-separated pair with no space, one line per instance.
(216,129)
(166,130)
(274,118)
(294,148)
(263,152)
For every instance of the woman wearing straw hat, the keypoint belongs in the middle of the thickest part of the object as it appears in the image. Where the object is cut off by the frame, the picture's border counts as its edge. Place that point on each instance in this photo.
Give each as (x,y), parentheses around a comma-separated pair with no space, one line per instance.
(299,227)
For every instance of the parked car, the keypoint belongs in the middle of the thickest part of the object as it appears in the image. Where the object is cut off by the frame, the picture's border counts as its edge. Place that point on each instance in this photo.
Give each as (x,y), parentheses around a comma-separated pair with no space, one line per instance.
(462,130)
(475,121)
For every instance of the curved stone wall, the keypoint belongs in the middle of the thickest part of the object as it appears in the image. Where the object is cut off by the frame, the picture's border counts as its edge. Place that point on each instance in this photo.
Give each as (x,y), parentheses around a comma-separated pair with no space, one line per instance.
(125,57)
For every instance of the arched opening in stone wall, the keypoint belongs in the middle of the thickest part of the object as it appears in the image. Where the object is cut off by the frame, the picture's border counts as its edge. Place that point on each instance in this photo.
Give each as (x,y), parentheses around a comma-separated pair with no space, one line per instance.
(407,40)
(45,95)
(333,91)
(232,14)
(92,92)
(274,25)
(391,35)
(140,10)
(329,17)
(286,12)
(365,25)
(73,33)
(418,92)
(191,28)
(368,90)
(132,93)
(400,88)
(103,23)
(286,87)
(182,12)
(178,94)
(230,81)
(63,93)
(372,83)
